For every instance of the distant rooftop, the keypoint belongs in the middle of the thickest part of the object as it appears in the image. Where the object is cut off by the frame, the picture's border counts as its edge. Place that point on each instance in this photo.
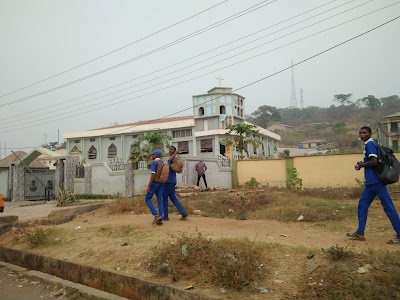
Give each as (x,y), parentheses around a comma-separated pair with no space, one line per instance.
(393,115)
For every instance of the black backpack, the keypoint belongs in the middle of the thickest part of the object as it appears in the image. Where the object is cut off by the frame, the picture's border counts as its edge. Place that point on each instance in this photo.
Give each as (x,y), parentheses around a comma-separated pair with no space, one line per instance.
(388,168)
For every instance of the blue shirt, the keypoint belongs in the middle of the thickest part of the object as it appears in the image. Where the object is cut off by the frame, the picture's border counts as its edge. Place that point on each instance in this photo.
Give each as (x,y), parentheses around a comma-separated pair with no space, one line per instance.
(370,150)
(154,165)
(171,175)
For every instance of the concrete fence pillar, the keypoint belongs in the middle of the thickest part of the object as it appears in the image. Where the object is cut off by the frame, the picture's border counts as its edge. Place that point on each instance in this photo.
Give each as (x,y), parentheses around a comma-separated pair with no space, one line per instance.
(129,178)
(88,179)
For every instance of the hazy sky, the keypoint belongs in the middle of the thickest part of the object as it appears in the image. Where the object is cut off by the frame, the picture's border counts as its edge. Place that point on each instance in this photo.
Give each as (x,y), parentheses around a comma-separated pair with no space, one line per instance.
(40,39)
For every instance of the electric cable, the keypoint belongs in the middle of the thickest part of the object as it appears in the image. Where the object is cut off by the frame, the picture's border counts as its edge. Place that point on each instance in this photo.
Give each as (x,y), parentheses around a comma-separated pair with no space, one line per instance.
(198,32)
(115,50)
(74,114)
(180,62)
(173,72)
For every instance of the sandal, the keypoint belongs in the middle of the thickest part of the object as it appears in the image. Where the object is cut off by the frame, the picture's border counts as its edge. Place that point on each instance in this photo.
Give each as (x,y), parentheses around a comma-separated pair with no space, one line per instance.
(394,241)
(355,236)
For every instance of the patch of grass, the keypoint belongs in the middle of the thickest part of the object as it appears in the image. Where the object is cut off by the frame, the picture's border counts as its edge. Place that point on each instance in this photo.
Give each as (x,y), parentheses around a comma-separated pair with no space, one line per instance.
(44,237)
(332,193)
(338,253)
(342,281)
(127,205)
(233,264)
(91,202)
(97,196)
(72,293)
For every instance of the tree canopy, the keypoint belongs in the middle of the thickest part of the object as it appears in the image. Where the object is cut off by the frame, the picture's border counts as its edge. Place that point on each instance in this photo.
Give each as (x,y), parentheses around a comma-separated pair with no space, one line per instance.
(241,136)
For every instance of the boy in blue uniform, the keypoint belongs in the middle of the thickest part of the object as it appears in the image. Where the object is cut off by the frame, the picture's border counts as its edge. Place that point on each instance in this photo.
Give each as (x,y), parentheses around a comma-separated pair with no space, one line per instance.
(169,189)
(155,188)
(373,187)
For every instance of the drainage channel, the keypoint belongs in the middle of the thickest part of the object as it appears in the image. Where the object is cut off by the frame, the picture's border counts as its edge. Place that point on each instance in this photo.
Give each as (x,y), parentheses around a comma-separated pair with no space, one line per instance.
(117,284)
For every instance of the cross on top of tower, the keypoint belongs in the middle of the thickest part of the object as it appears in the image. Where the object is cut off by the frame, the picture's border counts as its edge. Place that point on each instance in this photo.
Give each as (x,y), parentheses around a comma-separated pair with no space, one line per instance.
(219,78)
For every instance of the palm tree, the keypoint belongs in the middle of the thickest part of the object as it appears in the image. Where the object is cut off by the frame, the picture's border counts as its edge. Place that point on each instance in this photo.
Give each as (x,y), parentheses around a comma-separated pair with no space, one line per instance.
(146,143)
(241,137)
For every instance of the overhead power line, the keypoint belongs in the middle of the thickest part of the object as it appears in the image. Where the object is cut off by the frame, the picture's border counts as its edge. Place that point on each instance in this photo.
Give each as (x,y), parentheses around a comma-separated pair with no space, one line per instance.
(76,114)
(196,33)
(115,50)
(271,75)
(6,119)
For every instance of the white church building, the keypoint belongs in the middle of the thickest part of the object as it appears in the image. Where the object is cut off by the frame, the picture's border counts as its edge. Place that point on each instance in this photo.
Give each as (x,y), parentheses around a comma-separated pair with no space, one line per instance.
(200,135)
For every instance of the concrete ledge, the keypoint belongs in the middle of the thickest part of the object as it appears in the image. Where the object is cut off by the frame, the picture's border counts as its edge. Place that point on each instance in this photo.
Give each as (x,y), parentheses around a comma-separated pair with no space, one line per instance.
(5,228)
(8,219)
(68,214)
(110,282)
(87,293)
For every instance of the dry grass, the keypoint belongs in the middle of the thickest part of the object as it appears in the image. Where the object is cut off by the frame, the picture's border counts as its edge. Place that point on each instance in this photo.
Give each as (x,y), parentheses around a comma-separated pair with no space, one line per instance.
(127,205)
(275,205)
(342,281)
(233,264)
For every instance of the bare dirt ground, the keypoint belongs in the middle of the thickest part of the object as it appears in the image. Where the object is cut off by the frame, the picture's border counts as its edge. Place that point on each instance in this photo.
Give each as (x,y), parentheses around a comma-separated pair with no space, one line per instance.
(123,243)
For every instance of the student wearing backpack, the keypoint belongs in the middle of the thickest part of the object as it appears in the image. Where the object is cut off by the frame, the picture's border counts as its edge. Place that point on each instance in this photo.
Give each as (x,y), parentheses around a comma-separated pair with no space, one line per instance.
(373,187)
(169,188)
(155,187)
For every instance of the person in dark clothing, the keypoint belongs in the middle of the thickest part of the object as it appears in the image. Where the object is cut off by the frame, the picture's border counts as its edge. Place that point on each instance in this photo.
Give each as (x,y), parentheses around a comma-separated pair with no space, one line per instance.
(201,170)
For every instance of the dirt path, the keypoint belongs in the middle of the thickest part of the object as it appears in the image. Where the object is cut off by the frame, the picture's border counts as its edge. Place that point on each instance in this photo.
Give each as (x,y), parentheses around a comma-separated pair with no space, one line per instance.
(295,234)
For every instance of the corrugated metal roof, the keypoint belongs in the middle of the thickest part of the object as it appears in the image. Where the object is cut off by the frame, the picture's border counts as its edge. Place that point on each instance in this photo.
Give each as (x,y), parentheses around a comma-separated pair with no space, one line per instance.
(10,159)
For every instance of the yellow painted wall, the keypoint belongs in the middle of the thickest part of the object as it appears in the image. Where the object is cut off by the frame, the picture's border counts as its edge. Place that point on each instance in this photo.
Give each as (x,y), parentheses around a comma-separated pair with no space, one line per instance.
(266,171)
(320,171)
(328,170)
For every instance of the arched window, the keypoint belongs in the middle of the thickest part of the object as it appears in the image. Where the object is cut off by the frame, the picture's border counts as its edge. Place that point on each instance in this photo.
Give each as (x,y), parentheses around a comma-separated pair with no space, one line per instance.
(75,150)
(241,113)
(201,111)
(112,151)
(92,153)
(238,111)
(222,109)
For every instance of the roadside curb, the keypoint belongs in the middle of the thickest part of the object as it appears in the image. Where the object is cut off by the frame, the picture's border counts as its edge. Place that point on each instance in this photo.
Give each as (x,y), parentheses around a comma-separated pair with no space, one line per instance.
(85,292)
(98,279)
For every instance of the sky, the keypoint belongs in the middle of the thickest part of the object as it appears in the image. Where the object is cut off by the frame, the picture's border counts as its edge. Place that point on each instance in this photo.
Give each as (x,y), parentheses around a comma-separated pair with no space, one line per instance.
(73,65)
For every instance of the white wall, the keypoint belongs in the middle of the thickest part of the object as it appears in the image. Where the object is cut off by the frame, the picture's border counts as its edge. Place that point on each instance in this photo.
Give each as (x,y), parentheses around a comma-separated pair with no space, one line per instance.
(79,186)
(104,181)
(3,182)
(140,181)
(215,175)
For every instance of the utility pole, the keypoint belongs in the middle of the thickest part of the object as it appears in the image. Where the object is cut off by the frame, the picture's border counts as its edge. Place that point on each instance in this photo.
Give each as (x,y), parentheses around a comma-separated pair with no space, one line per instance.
(301,99)
(293,100)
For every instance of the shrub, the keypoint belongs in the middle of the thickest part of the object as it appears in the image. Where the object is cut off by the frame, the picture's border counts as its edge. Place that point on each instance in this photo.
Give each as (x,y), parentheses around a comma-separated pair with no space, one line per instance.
(252,183)
(338,253)
(233,264)
(65,197)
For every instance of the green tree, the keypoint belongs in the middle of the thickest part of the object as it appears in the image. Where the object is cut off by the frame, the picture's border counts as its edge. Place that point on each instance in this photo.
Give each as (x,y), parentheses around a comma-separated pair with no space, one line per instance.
(343,99)
(145,144)
(242,135)
(265,114)
(53,146)
(371,101)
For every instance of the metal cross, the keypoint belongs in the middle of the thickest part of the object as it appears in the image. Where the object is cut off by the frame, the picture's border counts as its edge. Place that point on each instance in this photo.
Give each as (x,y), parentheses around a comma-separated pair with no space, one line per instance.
(219,78)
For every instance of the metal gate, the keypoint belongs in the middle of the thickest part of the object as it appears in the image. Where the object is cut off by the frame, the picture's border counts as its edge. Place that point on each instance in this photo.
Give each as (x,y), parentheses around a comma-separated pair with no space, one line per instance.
(37,183)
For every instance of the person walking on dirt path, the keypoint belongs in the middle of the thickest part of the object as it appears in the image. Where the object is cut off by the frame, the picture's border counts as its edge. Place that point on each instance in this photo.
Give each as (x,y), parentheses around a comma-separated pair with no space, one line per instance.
(373,187)
(155,188)
(169,188)
(201,169)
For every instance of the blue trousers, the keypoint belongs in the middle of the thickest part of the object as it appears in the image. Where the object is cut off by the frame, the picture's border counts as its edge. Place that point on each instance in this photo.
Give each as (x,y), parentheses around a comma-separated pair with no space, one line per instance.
(158,189)
(169,191)
(367,196)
